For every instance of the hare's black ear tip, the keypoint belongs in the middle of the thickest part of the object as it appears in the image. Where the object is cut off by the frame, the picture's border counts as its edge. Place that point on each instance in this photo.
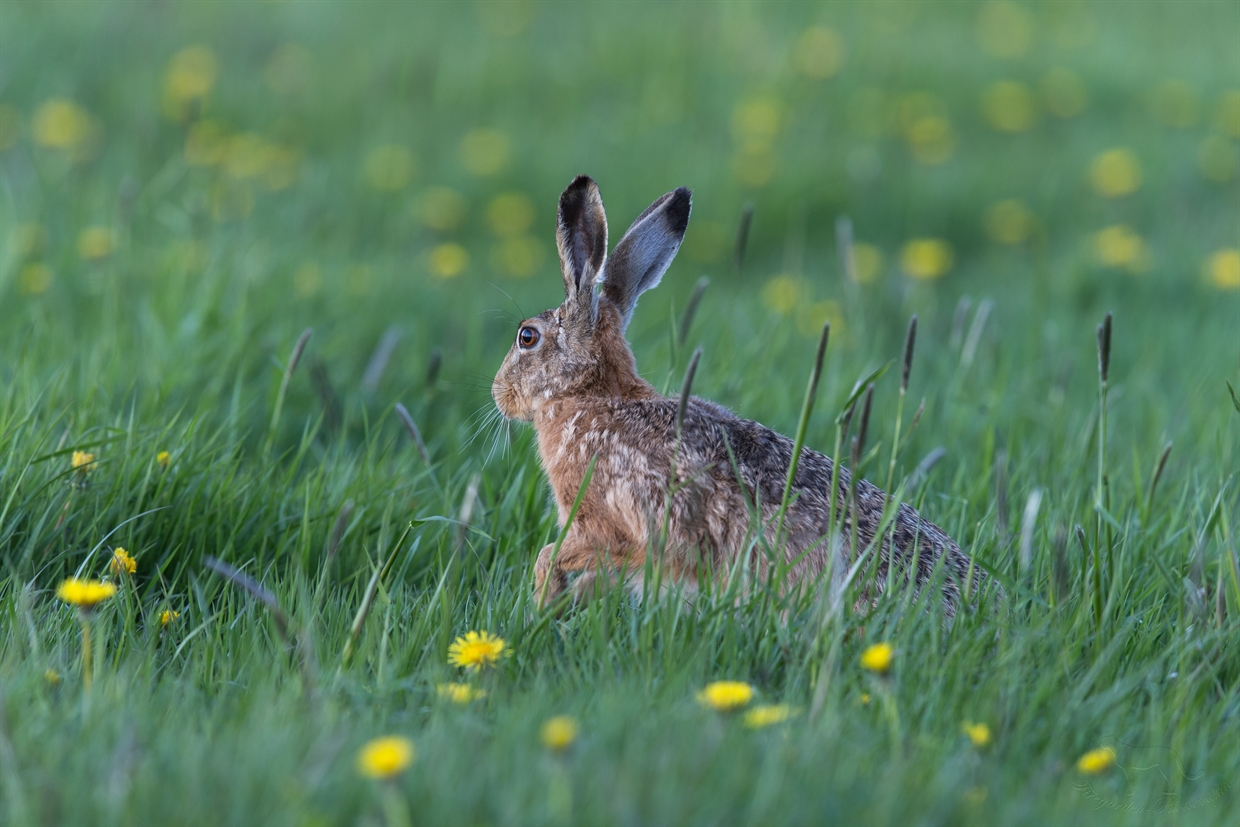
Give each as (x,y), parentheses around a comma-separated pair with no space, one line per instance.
(678,209)
(580,184)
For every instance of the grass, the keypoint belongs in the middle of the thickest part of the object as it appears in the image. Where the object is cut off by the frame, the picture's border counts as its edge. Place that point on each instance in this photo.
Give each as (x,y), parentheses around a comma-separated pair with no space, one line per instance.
(1120,561)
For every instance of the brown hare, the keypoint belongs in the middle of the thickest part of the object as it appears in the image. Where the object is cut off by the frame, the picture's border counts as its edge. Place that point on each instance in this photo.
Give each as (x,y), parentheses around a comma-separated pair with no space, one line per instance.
(571,373)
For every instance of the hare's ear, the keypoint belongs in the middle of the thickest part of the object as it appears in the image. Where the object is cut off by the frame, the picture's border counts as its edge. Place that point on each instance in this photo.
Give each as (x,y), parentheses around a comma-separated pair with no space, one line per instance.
(646,251)
(581,235)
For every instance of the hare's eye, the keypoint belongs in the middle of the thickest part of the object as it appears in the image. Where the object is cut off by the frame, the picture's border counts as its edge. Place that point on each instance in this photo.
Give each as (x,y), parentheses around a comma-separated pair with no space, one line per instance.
(528,337)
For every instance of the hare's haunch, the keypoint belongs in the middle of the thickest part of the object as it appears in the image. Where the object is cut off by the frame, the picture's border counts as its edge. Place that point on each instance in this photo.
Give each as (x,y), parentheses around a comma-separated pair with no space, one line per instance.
(571,373)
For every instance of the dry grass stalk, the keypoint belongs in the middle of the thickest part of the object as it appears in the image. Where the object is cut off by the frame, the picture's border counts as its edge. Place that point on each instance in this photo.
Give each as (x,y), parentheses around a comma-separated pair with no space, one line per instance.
(414,433)
(379,359)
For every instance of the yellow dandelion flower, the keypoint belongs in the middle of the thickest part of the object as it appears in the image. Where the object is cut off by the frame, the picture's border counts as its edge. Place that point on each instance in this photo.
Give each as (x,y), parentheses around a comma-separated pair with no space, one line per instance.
(60,123)
(168,616)
(460,693)
(877,658)
(52,677)
(122,561)
(1224,269)
(783,293)
(767,715)
(756,121)
(82,462)
(1115,173)
(1008,106)
(85,594)
(926,259)
(865,698)
(475,650)
(725,696)
(1120,246)
(979,734)
(510,213)
(389,167)
(1096,761)
(35,279)
(931,139)
(1009,222)
(163,458)
(447,261)
(385,757)
(558,733)
(94,243)
(191,74)
(246,156)
(485,151)
(819,52)
(868,262)
(518,257)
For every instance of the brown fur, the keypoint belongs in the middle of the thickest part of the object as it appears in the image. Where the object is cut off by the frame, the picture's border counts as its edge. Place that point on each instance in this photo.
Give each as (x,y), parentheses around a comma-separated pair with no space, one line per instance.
(580,388)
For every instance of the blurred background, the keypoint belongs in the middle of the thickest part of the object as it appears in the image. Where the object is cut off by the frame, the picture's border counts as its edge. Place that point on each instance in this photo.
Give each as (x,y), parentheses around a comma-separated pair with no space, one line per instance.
(186,186)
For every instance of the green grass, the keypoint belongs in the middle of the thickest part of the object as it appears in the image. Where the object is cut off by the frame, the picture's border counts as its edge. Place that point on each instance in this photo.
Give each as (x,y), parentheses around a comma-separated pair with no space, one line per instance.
(177,340)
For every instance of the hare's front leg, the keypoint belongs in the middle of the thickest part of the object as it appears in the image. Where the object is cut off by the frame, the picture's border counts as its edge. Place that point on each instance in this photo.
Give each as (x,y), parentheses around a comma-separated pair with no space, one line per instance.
(551,576)
(549,581)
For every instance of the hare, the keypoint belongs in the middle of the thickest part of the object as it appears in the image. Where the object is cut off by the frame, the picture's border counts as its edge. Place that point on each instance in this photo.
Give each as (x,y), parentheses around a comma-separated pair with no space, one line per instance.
(571,373)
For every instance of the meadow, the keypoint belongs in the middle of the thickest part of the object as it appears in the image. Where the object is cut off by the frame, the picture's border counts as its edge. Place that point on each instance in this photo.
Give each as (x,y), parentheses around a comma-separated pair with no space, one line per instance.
(261,261)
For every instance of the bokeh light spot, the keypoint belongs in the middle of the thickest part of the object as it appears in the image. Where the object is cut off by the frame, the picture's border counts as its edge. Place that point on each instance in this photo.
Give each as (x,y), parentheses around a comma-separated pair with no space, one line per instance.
(926,259)
(190,75)
(510,214)
(447,261)
(35,278)
(1223,269)
(783,293)
(1009,222)
(1008,106)
(94,243)
(441,209)
(1119,246)
(819,52)
(869,262)
(1115,173)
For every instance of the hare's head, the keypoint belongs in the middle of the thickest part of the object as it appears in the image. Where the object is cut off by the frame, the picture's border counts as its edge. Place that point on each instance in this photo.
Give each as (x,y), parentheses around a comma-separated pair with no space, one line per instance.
(579,347)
